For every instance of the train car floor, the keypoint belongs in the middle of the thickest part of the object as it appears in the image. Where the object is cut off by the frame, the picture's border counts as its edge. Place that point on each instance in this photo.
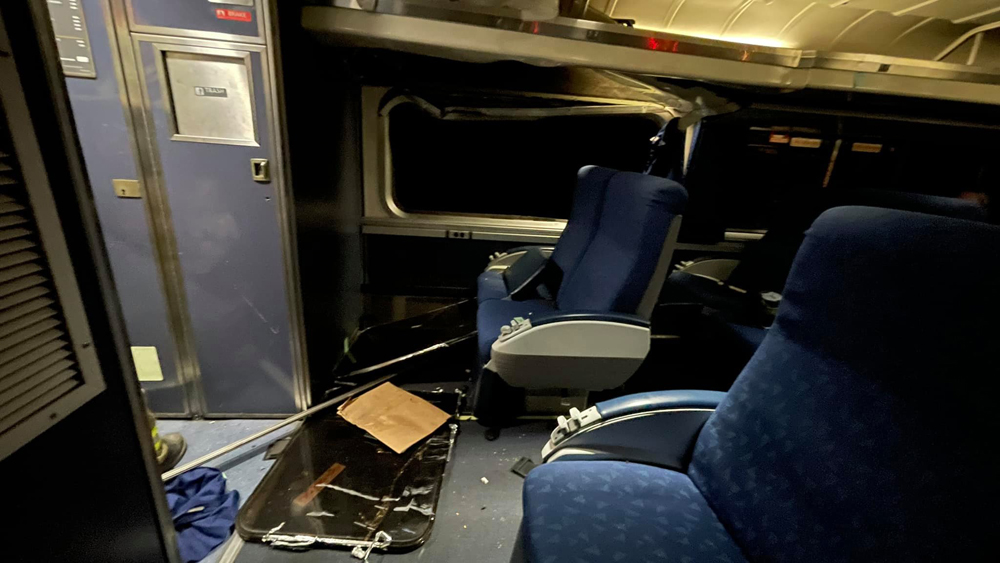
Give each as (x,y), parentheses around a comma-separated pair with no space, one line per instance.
(477,515)
(243,468)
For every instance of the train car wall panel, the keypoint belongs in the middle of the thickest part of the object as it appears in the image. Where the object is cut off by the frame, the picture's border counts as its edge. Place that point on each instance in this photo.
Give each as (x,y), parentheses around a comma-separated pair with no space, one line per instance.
(105,139)
(232,20)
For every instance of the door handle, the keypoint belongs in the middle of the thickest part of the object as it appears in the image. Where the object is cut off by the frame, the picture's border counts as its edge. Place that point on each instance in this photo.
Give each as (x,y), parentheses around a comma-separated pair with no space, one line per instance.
(261,170)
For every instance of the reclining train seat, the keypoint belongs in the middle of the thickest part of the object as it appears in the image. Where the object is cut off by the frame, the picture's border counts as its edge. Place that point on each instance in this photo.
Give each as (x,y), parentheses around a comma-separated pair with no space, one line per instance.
(594,333)
(861,430)
(521,268)
(736,315)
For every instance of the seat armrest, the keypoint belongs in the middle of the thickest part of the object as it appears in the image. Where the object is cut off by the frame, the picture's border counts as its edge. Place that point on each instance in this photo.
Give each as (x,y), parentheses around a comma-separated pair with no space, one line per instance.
(562,316)
(659,400)
(657,428)
(570,350)
(503,260)
(717,269)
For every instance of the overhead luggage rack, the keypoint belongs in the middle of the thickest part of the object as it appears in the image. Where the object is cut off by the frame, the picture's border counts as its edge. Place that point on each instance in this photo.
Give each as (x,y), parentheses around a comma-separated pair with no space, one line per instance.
(484,37)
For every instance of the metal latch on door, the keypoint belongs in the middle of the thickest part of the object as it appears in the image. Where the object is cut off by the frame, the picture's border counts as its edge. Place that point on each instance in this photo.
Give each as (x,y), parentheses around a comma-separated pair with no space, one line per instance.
(261,170)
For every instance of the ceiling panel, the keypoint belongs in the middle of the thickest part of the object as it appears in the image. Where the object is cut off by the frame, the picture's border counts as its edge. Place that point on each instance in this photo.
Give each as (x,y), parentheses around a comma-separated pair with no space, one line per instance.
(906,28)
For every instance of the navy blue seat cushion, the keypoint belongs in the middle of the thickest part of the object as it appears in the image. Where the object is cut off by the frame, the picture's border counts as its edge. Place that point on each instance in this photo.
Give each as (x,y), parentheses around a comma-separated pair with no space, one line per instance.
(607,511)
(863,428)
(588,198)
(496,313)
(618,265)
(490,285)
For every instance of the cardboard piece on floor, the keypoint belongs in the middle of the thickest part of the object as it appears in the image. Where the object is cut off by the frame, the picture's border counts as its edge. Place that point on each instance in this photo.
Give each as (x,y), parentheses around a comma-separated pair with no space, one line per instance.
(395,417)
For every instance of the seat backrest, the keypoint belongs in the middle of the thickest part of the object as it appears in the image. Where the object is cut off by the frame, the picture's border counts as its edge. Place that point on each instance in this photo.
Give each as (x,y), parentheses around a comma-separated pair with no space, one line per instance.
(863,429)
(766,263)
(628,251)
(588,197)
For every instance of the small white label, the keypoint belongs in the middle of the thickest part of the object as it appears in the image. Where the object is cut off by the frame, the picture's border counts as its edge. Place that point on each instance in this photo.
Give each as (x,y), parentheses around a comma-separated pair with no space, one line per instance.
(82,59)
(147,363)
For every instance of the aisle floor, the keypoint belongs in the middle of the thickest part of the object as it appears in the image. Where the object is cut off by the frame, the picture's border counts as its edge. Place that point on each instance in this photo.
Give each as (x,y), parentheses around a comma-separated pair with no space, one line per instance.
(243,468)
(476,520)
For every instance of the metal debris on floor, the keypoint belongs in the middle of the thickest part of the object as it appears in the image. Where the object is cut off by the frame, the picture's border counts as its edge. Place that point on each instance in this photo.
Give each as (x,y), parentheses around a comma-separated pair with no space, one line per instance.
(522,466)
(338,484)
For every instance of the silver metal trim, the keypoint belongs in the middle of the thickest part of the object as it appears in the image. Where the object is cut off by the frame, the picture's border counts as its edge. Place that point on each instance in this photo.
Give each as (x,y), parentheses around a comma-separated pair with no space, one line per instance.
(418,353)
(420,228)
(286,207)
(286,224)
(168,106)
(160,249)
(379,195)
(189,369)
(742,236)
(178,32)
(516,231)
(965,37)
(231,550)
(976,45)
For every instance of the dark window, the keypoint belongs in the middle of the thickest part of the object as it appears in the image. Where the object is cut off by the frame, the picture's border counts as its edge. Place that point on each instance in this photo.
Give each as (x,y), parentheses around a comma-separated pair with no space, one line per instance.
(509,167)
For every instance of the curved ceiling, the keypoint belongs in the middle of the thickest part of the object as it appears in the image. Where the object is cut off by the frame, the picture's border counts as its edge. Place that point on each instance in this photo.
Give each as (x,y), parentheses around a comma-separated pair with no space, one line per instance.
(955,31)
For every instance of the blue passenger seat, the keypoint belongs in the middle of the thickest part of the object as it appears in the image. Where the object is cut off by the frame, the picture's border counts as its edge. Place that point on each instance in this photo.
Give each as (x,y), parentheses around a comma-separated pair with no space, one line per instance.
(736,316)
(861,430)
(588,197)
(599,312)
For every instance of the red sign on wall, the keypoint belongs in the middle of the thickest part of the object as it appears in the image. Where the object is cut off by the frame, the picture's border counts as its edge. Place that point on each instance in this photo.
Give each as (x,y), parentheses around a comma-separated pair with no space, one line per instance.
(236,15)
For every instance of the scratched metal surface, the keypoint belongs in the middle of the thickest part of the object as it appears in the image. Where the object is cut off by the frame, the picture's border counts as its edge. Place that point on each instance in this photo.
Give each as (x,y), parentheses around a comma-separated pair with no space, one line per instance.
(373,488)
(475,521)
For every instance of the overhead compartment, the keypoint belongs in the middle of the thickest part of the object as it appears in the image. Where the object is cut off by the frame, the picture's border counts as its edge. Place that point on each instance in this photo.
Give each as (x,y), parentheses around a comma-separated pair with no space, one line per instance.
(483,37)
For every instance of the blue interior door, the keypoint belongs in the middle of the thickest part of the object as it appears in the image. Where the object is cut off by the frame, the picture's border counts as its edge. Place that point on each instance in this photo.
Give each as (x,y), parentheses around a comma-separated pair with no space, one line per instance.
(208,107)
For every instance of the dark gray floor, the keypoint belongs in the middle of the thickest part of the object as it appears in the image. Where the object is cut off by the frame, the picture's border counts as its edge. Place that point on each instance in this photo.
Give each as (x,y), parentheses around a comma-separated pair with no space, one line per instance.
(244,468)
(476,521)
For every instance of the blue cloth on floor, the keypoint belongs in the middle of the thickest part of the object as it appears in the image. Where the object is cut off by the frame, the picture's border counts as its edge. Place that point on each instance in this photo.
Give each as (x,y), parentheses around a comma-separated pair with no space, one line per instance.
(203,512)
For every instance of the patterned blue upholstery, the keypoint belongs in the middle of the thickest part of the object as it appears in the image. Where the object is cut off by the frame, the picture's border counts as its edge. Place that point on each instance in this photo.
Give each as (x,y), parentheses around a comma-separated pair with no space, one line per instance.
(606,511)
(861,428)
(733,329)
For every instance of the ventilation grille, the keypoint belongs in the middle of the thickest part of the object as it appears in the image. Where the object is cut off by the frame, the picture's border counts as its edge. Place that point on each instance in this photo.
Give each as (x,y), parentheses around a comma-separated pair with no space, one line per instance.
(37,363)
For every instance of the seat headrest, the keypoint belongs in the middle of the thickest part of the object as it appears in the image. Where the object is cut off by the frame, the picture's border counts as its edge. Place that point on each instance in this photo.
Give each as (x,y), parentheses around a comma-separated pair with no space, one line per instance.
(875,285)
(616,268)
